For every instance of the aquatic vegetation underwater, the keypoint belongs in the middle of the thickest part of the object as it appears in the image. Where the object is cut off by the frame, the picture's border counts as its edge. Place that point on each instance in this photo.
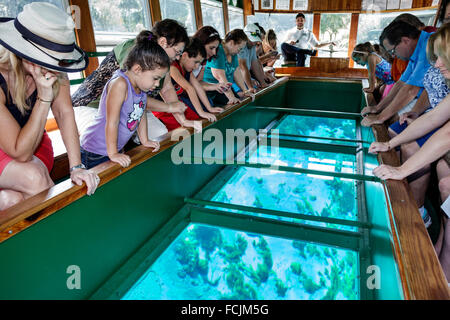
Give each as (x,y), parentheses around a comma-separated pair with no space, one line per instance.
(292,192)
(317,126)
(207,262)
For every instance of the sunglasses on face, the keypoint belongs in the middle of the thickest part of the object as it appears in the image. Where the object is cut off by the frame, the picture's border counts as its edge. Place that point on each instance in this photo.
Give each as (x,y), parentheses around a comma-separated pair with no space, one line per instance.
(63,62)
(392,51)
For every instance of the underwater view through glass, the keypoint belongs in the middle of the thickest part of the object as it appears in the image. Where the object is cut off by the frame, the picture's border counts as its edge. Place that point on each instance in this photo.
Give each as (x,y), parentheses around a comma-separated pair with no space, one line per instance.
(318,127)
(211,263)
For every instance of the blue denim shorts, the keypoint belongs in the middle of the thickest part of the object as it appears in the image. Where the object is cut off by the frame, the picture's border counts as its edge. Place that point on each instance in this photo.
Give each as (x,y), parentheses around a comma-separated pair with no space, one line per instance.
(398,128)
(90,159)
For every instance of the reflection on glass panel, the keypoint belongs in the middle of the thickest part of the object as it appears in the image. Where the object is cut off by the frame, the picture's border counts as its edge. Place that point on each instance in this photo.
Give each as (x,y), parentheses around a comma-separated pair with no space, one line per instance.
(371,25)
(211,263)
(319,127)
(317,160)
(308,194)
(334,27)
(281,23)
(11,8)
(119,15)
(181,11)
(236,18)
(212,13)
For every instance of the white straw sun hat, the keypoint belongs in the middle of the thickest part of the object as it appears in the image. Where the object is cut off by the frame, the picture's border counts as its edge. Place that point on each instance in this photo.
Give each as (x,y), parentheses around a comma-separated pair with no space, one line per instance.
(44,34)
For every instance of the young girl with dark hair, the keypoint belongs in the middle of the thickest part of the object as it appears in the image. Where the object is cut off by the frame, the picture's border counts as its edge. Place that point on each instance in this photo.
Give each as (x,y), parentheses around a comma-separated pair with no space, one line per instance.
(123,103)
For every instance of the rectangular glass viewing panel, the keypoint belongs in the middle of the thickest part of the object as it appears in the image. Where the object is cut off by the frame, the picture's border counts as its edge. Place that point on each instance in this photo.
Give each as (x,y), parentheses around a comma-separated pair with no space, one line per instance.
(209,263)
(307,159)
(307,194)
(318,127)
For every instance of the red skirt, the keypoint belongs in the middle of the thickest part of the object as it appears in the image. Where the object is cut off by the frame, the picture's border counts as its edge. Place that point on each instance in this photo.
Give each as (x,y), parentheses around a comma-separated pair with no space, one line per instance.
(44,152)
(169,120)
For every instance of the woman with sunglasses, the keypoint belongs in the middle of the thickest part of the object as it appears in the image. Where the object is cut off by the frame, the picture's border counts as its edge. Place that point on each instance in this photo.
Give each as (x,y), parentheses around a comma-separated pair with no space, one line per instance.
(36,50)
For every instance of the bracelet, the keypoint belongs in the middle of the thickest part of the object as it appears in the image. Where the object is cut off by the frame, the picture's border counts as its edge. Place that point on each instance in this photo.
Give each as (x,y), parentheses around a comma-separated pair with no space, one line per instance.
(42,100)
(80,166)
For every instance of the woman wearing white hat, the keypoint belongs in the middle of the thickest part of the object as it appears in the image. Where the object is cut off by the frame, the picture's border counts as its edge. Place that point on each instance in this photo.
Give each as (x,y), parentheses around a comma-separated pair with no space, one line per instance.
(36,49)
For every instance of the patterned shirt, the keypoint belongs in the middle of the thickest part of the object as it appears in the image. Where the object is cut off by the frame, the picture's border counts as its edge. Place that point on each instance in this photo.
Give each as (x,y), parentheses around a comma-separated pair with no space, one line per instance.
(436,86)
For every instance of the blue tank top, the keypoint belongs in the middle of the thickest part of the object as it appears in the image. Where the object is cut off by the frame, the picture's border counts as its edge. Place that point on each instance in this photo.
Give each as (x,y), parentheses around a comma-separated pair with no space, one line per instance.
(383,70)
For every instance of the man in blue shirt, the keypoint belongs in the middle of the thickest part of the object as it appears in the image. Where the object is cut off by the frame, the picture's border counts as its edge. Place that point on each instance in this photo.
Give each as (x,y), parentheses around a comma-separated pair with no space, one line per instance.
(407,43)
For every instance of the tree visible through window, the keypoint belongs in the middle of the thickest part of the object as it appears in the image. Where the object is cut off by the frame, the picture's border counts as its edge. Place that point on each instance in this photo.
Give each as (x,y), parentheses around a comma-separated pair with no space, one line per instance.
(335,27)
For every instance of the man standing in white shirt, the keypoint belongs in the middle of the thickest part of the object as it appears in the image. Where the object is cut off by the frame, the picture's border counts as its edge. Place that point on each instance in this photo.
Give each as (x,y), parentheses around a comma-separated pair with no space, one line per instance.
(300,42)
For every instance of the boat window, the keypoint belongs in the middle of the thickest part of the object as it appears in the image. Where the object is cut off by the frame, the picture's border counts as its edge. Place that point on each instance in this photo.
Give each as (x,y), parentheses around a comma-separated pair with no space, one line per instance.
(12,8)
(335,27)
(181,11)
(116,21)
(212,13)
(371,25)
(236,17)
(281,23)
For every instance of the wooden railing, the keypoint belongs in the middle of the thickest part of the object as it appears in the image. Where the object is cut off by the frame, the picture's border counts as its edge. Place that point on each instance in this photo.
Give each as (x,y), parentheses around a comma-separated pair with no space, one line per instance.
(39,206)
(419,267)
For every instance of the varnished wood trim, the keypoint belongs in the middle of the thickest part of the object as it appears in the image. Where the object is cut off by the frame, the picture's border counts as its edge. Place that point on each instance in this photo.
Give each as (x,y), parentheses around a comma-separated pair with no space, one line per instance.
(226,20)
(438,12)
(419,268)
(14,219)
(352,37)
(198,14)
(155,11)
(248,8)
(60,167)
(293,72)
(316,25)
(85,35)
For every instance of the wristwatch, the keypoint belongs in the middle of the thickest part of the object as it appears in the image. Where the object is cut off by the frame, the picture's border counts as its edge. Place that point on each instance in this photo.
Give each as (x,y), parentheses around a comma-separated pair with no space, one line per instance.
(80,166)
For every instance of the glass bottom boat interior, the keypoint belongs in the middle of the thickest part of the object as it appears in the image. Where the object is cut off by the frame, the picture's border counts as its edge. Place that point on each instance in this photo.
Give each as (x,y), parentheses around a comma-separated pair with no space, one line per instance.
(287,222)
(290,211)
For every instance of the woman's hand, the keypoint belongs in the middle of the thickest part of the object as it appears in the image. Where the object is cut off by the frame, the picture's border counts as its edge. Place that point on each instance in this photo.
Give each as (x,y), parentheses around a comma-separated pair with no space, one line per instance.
(385,172)
(234,100)
(90,178)
(376,147)
(120,158)
(223,87)
(370,120)
(208,116)
(215,110)
(152,144)
(44,80)
(408,117)
(368,90)
(367,110)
